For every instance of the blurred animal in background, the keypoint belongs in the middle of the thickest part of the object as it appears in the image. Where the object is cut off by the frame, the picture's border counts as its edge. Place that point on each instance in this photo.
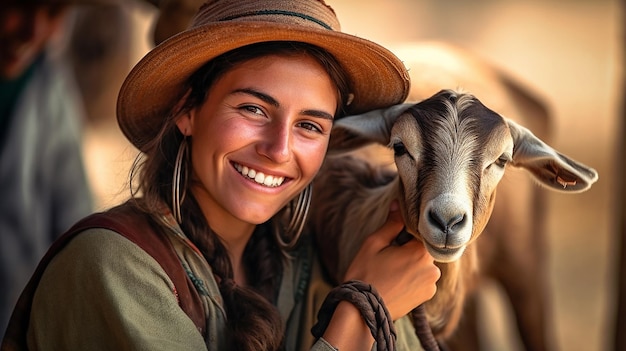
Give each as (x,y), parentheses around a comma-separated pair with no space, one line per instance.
(99,48)
(173,16)
(450,153)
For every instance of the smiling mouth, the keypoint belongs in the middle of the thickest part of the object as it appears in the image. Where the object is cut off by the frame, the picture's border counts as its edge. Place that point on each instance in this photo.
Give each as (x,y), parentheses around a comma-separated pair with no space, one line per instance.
(259,177)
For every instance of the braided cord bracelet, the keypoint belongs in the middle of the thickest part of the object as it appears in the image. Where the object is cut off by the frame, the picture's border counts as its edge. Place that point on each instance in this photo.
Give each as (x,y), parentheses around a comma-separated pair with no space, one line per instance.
(369,303)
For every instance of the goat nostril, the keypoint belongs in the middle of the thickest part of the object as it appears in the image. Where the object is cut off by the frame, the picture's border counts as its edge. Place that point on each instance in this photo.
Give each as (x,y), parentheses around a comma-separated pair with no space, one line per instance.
(446,225)
(457,220)
(435,219)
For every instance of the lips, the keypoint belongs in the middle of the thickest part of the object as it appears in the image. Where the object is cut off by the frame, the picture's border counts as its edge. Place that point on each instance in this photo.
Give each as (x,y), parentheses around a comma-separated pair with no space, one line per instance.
(259,177)
(444,254)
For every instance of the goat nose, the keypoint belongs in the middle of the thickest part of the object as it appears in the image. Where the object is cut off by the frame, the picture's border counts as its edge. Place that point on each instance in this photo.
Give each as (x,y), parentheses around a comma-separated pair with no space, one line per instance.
(447,224)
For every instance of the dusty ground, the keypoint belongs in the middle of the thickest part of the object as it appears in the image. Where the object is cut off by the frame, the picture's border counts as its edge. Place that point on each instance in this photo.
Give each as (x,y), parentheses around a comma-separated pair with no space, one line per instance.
(569,53)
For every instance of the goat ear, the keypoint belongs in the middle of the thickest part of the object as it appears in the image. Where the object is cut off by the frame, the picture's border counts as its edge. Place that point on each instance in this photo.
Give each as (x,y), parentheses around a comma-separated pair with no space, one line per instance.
(351,132)
(551,168)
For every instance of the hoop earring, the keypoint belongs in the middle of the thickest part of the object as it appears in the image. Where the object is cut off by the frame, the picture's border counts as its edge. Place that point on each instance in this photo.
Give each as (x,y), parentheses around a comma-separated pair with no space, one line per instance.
(299,212)
(179,172)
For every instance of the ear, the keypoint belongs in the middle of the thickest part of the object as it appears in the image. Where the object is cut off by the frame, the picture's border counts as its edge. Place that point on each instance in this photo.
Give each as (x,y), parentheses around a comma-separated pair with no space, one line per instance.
(351,132)
(184,123)
(184,120)
(548,166)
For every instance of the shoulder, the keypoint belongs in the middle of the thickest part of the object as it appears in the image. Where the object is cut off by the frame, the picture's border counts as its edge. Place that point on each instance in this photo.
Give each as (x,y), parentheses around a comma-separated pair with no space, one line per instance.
(122,240)
(103,253)
(103,285)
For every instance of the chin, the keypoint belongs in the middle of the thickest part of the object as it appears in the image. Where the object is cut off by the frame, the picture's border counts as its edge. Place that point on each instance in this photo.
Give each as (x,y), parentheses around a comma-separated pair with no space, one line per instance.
(445,255)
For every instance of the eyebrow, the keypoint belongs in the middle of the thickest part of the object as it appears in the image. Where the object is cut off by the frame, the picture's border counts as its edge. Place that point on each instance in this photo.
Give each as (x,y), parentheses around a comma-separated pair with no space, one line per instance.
(270,100)
(259,95)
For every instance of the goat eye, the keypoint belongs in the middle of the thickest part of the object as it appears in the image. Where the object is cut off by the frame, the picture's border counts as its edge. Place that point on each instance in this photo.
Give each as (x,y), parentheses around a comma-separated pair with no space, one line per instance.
(502,161)
(399,149)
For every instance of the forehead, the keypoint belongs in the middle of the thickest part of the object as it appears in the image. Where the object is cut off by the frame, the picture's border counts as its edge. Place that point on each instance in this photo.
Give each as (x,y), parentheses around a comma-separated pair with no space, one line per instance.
(462,114)
(453,126)
(296,81)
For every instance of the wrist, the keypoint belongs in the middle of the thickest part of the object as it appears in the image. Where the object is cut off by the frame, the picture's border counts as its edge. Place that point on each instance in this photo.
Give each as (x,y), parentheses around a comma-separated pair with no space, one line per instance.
(346,326)
(361,304)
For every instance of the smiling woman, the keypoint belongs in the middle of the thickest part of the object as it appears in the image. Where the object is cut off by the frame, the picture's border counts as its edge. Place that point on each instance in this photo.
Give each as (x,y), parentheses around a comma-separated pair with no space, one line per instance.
(256,117)
(233,117)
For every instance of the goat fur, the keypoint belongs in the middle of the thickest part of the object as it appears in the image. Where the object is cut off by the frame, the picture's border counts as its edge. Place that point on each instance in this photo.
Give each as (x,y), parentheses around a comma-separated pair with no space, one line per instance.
(352,197)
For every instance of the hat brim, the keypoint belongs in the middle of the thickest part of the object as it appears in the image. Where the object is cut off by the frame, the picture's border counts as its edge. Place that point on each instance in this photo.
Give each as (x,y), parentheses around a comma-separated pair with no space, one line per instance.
(156,83)
(60,2)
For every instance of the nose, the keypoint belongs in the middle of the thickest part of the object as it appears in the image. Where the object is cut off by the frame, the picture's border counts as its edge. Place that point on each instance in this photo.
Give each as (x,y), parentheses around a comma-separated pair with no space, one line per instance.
(448,223)
(276,142)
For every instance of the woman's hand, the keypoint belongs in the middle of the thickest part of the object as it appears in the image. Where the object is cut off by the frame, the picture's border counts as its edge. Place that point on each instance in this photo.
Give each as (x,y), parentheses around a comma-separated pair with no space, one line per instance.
(405,276)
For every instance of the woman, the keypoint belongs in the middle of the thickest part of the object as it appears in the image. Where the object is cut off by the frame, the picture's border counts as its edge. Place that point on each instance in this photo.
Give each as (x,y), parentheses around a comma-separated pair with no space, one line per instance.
(233,117)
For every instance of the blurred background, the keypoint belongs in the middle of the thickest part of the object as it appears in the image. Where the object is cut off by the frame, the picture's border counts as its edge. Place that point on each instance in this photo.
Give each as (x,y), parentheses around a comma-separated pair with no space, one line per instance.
(567,52)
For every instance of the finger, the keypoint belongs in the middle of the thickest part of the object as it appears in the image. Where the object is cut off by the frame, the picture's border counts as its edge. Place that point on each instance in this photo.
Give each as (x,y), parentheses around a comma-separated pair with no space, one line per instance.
(414,250)
(394,224)
(416,247)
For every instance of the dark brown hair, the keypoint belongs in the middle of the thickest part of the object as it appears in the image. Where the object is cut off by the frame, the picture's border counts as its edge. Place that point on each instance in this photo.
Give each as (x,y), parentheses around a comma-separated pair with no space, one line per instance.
(253,322)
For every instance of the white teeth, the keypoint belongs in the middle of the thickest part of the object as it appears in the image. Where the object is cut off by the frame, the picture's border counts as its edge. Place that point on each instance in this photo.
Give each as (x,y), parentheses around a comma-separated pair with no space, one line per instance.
(259,177)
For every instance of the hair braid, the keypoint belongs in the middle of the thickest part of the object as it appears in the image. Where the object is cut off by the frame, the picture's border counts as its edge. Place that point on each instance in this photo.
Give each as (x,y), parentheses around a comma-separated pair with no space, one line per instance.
(254,323)
(263,259)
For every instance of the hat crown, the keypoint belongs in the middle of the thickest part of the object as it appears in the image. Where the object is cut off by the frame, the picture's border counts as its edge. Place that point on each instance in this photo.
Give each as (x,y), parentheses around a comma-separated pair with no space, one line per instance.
(308,13)
(156,84)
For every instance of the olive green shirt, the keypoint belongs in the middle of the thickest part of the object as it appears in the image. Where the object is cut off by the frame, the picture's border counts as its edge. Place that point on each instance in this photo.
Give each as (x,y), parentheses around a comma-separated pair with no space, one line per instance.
(103,292)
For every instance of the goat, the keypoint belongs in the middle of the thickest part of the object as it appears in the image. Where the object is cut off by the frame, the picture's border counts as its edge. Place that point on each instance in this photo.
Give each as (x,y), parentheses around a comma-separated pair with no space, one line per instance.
(514,248)
(450,152)
(432,66)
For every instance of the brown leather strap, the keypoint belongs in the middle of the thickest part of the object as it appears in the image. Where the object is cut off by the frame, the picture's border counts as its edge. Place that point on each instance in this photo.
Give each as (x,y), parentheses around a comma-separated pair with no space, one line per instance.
(137,227)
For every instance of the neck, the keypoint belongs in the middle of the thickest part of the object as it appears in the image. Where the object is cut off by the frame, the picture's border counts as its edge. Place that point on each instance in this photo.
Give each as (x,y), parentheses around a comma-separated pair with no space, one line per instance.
(239,271)
(235,243)
(233,233)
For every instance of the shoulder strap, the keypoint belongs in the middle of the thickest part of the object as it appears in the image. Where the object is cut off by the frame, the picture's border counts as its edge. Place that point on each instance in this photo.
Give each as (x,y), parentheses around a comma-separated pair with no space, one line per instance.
(137,227)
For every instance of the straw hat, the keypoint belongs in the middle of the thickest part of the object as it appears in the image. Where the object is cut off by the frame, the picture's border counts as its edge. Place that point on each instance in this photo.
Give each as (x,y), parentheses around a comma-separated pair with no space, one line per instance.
(377,77)
(59,2)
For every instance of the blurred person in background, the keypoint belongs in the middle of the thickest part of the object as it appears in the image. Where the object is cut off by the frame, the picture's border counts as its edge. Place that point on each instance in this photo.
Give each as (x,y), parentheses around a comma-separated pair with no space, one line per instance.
(42,177)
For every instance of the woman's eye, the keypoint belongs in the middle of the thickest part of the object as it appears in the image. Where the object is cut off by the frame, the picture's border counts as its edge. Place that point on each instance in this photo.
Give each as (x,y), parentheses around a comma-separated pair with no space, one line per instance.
(399,149)
(252,109)
(310,126)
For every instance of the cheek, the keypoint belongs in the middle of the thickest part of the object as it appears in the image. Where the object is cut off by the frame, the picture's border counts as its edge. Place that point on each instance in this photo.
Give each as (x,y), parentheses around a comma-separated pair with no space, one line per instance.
(483,210)
(311,159)
(214,134)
